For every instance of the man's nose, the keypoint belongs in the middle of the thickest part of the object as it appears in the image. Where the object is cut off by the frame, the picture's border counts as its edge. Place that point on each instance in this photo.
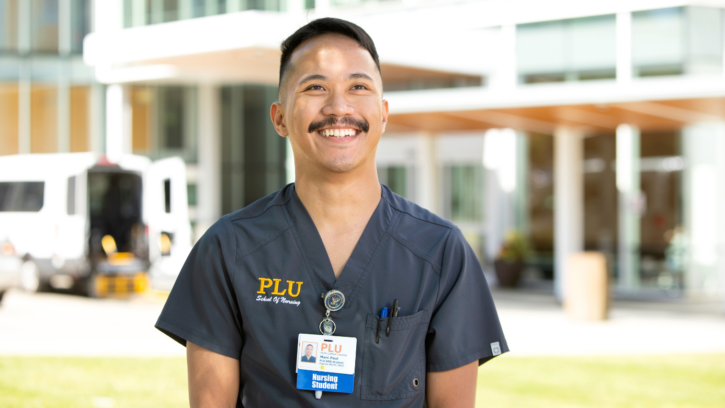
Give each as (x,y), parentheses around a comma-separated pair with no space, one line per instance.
(338,105)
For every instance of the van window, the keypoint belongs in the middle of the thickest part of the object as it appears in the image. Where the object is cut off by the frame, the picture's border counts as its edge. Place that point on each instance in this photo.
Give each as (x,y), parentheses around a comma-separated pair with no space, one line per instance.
(21,196)
(167,196)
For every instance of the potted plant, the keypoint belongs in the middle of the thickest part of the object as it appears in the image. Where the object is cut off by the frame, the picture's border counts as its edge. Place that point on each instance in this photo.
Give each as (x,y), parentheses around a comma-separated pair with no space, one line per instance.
(510,260)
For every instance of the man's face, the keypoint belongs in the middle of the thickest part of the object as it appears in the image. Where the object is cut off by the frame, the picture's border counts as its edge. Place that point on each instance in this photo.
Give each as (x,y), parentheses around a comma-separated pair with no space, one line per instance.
(308,351)
(331,105)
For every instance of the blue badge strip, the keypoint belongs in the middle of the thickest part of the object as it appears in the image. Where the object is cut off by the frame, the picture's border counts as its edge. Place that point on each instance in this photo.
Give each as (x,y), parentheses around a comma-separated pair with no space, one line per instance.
(322,381)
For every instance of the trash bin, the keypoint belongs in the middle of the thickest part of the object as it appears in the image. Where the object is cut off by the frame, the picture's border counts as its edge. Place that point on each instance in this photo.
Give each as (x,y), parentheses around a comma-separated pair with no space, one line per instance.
(586,286)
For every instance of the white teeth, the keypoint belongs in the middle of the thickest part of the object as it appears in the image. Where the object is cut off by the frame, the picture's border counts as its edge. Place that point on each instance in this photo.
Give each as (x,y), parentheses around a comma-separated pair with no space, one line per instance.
(338,132)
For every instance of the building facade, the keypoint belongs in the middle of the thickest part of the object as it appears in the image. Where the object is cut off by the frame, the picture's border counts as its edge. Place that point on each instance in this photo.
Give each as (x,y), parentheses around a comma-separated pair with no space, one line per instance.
(578,125)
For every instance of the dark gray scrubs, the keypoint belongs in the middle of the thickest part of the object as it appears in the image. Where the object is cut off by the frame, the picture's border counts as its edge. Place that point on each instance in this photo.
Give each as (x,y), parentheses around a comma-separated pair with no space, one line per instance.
(254,282)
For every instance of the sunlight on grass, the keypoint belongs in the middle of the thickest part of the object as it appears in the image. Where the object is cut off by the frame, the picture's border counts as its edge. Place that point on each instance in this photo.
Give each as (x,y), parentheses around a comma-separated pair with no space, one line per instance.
(649,381)
(92,382)
(540,382)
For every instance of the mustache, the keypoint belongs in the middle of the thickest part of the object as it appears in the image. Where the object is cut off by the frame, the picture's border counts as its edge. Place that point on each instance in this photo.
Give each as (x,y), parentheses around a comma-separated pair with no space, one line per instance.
(360,124)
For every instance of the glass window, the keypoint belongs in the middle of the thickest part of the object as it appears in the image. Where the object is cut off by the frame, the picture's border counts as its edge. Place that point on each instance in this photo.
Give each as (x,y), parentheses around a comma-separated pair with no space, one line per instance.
(175,121)
(80,16)
(80,105)
(396,178)
(8,25)
(658,42)
(21,196)
(171,101)
(44,17)
(577,49)
(171,10)
(141,117)
(9,118)
(43,119)
(191,191)
(167,196)
(466,192)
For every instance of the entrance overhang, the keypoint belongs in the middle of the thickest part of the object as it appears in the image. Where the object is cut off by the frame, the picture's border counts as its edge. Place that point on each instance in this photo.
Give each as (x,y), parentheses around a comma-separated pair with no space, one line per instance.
(651,104)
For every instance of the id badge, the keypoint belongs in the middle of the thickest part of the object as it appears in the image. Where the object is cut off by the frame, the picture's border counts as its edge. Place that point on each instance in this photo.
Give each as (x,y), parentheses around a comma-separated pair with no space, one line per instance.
(326,363)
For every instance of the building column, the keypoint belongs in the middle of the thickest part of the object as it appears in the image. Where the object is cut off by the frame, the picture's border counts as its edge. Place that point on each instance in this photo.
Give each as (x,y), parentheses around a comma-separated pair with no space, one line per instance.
(97,119)
(118,122)
(703,185)
(208,207)
(631,206)
(506,77)
(427,192)
(568,200)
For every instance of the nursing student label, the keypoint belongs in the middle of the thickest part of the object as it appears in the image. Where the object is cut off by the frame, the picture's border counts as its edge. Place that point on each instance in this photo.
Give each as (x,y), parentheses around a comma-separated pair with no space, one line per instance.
(326,363)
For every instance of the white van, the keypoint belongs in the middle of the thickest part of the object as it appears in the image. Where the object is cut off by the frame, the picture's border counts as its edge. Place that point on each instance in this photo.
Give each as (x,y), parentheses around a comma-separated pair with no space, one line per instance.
(79,221)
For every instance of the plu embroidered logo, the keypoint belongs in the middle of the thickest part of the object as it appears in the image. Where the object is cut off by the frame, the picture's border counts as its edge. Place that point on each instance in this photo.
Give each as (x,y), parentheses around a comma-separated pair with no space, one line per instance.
(278,296)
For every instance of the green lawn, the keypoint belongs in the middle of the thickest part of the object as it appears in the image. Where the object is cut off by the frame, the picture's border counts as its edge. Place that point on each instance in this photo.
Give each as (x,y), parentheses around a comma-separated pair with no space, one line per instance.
(672,381)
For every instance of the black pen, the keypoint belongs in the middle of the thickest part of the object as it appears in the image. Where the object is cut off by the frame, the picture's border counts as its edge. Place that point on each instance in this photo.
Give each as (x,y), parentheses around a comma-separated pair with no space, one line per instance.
(396,309)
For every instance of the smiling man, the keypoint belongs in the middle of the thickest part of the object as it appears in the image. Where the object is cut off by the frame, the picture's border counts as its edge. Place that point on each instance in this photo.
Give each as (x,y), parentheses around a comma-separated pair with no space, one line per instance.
(332,254)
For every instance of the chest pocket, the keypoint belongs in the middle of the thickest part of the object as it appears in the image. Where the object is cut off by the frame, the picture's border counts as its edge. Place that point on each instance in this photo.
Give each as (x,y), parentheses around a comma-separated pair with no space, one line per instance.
(394,368)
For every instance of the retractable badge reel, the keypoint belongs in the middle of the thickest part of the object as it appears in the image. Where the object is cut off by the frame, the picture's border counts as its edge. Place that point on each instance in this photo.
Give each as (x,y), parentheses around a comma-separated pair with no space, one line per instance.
(334,301)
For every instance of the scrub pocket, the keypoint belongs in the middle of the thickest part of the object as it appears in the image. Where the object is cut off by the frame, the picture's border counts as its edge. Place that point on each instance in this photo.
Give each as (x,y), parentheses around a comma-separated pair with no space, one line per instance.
(394,368)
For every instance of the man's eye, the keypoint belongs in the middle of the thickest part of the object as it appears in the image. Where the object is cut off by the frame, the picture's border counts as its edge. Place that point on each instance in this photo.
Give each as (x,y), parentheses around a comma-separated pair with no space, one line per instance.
(315,88)
(359,87)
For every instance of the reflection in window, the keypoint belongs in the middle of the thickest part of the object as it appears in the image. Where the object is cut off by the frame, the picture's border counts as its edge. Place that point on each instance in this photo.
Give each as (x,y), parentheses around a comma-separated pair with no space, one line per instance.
(578,49)
(466,192)
(44,17)
(8,25)
(676,41)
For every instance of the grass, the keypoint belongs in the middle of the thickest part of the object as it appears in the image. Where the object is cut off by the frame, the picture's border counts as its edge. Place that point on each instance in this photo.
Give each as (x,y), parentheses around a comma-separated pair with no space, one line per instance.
(651,381)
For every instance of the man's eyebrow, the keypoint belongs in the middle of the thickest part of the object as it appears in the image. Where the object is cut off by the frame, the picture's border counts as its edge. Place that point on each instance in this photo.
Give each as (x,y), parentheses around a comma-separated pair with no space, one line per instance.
(313,77)
(359,75)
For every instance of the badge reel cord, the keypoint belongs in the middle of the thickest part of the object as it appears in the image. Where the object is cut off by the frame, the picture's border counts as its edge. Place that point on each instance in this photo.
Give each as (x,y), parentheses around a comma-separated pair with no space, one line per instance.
(334,301)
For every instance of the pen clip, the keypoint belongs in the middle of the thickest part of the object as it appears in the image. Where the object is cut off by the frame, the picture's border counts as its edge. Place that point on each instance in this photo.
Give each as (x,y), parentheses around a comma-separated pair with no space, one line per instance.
(390,319)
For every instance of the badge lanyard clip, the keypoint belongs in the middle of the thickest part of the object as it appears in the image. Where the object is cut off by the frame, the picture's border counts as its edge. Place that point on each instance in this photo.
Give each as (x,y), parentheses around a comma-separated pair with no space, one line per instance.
(334,301)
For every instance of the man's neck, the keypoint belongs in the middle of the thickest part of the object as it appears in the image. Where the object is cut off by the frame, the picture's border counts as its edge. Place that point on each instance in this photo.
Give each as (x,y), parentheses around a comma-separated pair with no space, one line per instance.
(339,198)
(340,206)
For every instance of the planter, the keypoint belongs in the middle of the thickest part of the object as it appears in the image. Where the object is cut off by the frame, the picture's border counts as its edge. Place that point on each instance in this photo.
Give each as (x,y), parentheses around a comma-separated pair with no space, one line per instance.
(508,273)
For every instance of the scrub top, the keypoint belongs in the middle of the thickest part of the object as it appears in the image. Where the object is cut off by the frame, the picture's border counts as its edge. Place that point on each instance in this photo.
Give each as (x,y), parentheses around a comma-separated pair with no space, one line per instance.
(255,281)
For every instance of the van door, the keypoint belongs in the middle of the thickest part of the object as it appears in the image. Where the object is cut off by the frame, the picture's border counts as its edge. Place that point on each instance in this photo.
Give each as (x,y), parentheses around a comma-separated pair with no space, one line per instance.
(167,215)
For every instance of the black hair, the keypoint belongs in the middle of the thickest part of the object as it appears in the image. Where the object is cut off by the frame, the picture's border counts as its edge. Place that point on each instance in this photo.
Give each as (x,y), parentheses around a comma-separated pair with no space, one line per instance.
(322,26)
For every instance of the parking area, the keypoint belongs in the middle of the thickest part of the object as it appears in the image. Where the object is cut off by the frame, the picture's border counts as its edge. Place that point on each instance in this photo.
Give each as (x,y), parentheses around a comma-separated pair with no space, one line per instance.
(49,324)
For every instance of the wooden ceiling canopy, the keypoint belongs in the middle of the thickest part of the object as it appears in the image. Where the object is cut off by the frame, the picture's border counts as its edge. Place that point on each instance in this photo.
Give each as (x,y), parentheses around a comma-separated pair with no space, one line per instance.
(648,116)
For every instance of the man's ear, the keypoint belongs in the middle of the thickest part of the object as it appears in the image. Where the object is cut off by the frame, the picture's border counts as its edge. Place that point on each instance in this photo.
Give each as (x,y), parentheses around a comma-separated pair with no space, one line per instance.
(385,114)
(276,113)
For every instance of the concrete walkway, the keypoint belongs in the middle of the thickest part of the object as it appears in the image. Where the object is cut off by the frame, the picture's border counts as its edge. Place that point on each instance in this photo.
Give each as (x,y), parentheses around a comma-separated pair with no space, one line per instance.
(66,325)
(535,325)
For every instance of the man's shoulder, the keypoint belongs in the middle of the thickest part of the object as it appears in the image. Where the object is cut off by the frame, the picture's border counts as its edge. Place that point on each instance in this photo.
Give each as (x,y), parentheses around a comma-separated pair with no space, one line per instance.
(255,222)
(421,231)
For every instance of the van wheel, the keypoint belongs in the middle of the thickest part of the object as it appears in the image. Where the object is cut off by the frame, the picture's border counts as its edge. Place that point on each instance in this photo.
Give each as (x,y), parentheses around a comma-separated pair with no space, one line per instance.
(30,277)
(1,296)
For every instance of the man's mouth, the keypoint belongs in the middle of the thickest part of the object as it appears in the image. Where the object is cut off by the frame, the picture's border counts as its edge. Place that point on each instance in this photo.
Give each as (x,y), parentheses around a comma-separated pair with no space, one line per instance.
(338,132)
